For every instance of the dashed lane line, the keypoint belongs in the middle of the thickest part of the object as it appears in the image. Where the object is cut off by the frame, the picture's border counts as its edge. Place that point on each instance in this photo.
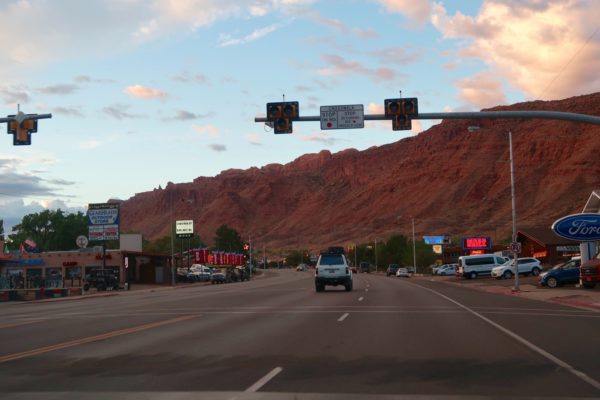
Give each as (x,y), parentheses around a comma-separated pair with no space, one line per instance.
(343,317)
(264,380)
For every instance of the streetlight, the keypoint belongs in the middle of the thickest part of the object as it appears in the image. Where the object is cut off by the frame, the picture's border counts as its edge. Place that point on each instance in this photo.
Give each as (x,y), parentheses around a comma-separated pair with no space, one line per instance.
(514,246)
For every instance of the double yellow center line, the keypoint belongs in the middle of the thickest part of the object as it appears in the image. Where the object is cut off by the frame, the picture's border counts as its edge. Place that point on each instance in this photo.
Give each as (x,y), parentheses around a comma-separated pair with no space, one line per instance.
(90,339)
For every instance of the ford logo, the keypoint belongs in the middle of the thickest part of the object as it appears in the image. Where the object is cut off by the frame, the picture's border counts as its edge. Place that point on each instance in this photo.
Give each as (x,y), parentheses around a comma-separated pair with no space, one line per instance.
(582,227)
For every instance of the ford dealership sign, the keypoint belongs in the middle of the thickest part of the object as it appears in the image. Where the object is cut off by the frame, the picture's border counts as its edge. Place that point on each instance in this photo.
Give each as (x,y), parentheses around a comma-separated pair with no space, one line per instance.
(582,227)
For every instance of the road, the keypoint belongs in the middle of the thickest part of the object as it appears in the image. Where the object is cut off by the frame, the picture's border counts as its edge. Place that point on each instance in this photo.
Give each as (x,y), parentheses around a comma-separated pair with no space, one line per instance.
(274,337)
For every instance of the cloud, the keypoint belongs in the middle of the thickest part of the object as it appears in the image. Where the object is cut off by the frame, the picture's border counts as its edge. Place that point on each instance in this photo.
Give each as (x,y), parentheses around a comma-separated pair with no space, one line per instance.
(119,111)
(90,144)
(365,33)
(482,90)
(217,147)
(14,94)
(16,180)
(89,79)
(253,139)
(143,92)
(186,77)
(226,40)
(69,111)
(319,137)
(183,115)
(375,108)
(13,210)
(210,130)
(339,66)
(395,55)
(417,11)
(61,88)
(548,49)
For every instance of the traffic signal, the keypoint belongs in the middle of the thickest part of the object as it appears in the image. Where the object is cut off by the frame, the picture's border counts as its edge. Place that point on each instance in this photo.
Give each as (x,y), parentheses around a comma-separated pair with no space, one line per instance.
(282,114)
(401,112)
(21,130)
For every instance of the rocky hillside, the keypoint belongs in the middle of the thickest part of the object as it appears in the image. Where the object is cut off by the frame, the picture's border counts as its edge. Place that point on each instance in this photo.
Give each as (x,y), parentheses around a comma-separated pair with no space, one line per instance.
(450,180)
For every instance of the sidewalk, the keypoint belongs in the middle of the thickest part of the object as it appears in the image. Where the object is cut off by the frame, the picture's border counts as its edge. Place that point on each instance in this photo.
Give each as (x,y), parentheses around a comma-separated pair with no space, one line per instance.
(570,295)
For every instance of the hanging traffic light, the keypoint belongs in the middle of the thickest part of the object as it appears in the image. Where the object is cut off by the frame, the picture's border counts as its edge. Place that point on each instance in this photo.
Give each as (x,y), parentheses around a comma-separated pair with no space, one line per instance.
(401,112)
(21,129)
(282,114)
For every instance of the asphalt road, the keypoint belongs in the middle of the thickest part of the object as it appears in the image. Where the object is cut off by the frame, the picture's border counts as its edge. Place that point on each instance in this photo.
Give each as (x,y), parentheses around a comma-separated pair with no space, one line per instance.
(276,338)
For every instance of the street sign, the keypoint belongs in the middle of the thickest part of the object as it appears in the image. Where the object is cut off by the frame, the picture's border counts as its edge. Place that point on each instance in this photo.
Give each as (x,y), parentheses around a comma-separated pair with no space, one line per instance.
(184,229)
(81,241)
(515,247)
(343,117)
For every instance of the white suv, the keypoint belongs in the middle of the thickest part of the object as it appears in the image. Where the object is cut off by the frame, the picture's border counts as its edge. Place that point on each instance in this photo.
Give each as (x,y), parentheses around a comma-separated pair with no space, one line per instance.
(526,266)
(332,269)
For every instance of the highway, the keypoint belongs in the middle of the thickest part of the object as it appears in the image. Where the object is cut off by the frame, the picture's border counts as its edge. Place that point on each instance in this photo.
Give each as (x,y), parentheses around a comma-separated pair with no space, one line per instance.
(274,337)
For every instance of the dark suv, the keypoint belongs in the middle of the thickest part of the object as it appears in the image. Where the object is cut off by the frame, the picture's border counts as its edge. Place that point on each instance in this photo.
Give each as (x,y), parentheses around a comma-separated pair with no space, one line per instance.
(392,269)
(102,279)
(365,267)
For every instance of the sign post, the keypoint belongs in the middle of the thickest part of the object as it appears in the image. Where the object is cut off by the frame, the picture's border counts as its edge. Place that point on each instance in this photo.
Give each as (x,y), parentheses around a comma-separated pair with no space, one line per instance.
(343,117)
(103,224)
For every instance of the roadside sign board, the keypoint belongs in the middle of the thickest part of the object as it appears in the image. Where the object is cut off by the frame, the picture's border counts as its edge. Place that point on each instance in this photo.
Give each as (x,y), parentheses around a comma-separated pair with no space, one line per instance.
(81,241)
(343,117)
(515,247)
(103,221)
(184,229)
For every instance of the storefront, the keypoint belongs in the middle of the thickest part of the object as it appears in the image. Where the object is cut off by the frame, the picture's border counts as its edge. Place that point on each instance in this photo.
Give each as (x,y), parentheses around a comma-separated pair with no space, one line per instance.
(546,246)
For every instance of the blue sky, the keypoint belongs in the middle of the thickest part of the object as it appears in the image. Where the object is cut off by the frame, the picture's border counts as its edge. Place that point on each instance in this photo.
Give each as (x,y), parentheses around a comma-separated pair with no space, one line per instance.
(147,92)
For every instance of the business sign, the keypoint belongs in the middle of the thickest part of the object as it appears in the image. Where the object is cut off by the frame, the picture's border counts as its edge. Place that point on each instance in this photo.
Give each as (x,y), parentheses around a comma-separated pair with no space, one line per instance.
(477,243)
(184,229)
(581,227)
(103,221)
(343,117)
(436,240)
(437,248)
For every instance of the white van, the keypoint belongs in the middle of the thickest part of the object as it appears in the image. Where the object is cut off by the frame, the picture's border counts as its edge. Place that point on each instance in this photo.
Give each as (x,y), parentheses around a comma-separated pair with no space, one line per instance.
(473,266)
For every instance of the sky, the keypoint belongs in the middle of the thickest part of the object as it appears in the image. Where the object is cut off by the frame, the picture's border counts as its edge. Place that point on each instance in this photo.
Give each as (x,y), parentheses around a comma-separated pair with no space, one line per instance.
(146,92)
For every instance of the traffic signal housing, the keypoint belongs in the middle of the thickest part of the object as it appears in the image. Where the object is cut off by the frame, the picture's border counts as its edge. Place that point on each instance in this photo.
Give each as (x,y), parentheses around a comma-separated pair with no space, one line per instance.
(21,130)
(282,114)
(401,112)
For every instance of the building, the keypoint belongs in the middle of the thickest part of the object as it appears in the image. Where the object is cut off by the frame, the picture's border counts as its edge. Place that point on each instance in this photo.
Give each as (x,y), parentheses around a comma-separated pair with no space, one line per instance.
(543,244)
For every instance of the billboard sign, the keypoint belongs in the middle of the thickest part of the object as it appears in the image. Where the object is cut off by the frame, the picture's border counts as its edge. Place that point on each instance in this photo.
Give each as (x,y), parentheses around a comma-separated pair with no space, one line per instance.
(184,229)
(436,240)
(581,227)
(477,243)
(103,221)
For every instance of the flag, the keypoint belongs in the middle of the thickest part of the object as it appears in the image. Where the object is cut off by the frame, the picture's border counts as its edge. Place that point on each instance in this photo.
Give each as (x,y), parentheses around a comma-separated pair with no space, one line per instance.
(31,243)
(22,248)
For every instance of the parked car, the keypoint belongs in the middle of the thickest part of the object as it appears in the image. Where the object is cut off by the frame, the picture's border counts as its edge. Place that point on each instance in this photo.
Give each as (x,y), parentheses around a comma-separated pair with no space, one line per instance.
(392,269)
(199,273)
(525,265)
(473,266)
(218,277)
(561,274)
(101,279)
(447,269)
(402,272)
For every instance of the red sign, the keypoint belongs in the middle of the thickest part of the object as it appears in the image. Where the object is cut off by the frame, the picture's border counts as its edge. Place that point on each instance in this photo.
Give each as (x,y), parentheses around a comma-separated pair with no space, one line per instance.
(476,252)
(477,243)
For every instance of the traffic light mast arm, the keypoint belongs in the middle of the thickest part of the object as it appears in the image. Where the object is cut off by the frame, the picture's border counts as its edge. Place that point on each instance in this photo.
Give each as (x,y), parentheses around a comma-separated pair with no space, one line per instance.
(590,119)
(27,116)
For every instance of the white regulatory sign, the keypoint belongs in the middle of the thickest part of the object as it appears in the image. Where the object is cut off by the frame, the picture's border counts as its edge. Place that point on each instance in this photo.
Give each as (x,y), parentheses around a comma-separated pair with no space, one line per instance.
(343,117)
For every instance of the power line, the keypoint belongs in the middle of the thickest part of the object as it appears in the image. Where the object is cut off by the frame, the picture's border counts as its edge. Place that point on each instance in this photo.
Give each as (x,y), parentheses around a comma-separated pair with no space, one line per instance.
(569,62)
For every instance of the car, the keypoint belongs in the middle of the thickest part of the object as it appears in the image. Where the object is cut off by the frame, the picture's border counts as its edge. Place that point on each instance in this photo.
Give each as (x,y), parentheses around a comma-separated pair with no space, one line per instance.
(435,269)
(446,270)
(302,267)
(402,272)
(391,269)
(332,269)
(561,274)
(199,273)
(364,267)
(102,279)
(525,265)
(218,277)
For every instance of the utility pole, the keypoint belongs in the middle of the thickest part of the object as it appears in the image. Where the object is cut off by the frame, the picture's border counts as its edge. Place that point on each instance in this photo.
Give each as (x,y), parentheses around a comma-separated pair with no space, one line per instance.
(414,246)
(250,251)
(514,214)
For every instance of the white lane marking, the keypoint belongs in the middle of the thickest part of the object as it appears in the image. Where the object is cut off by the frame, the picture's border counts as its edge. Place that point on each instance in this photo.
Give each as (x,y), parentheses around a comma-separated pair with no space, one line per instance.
(264,380)
(343,317)
(580,374)
(361,298)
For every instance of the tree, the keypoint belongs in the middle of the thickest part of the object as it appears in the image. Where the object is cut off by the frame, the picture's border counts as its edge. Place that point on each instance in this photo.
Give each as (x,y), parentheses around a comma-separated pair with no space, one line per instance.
(51,230)
(228,239)
(2,229)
